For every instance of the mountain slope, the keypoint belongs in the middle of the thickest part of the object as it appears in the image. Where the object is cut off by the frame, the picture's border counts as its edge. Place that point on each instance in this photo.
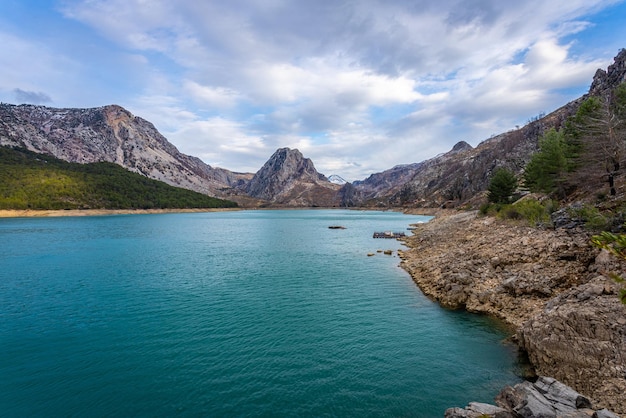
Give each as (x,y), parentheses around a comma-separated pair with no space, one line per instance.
(462,175)
(289,178)
(32,181)
(109,134)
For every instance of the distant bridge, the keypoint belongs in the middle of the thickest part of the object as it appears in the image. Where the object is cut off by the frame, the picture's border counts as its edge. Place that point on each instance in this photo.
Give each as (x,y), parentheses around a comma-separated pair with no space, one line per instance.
(389,234)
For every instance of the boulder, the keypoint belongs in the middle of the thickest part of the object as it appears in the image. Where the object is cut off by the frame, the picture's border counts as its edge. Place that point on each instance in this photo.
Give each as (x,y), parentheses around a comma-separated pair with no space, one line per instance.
(545,398)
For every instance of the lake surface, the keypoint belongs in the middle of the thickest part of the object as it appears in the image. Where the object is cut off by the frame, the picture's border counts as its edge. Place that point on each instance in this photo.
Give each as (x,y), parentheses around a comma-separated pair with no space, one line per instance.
(249,313)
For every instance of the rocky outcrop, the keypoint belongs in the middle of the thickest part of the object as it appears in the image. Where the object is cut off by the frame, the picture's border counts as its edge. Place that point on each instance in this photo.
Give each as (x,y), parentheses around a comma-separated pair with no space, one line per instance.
(547,284)
(289,178)
(614,75)
(580,338)
(112,134)
(491,267)
(546,398)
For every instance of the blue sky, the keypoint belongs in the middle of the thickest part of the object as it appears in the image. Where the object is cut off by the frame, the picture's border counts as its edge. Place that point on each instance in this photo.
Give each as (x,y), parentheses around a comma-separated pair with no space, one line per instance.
(357,86)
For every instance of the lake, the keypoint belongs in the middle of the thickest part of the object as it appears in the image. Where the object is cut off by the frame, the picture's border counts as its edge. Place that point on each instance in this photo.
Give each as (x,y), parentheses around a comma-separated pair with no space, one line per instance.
(245,313)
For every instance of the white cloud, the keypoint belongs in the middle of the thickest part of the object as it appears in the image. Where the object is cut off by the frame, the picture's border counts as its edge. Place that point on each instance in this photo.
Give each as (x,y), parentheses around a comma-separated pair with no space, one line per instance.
(222,143)
(215,97)
(358,86)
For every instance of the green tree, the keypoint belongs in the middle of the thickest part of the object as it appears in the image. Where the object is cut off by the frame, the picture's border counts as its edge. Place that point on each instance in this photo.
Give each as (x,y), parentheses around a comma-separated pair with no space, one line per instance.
(502,185)
(546,169)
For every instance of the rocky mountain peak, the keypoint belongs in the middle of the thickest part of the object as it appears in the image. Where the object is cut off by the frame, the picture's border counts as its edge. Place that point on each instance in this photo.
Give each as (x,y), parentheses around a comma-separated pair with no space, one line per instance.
(290,177)
(336,179)
(613,76)
(461,146)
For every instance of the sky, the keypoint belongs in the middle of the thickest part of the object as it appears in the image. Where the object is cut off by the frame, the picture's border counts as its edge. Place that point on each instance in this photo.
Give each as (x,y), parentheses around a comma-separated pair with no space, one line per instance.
(358,86)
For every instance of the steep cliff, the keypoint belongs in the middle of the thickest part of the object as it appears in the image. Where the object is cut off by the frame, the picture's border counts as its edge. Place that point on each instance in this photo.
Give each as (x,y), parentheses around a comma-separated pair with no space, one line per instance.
(110,134)
(289,178)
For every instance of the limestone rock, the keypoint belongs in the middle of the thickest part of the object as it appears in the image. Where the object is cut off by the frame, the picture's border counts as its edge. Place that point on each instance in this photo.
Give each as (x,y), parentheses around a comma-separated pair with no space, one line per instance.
(580,338)
(546,398)
(289,178)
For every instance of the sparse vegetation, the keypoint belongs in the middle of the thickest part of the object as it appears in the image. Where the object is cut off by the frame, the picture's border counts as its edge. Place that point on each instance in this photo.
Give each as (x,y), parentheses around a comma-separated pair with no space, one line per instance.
(616,245)
(529,211)
(591,216)
(34,181)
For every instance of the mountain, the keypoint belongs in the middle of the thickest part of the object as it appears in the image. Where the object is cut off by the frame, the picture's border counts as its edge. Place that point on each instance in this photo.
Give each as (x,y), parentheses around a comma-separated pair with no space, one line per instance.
(29,180)
(290,179)
(462,175)
(335,179)
(459,175)
(110,134)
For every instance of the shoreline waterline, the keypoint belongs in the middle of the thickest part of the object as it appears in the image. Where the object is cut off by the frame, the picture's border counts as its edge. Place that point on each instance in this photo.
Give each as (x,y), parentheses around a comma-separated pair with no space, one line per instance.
(43,213)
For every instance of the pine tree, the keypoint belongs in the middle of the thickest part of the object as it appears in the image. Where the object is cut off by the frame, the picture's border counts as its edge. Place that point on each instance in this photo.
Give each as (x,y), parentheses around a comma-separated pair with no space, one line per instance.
(502,185)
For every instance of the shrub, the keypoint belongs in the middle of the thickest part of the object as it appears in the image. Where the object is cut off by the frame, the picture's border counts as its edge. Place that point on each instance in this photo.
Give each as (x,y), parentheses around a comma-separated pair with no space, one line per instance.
(591,216)
(532,211)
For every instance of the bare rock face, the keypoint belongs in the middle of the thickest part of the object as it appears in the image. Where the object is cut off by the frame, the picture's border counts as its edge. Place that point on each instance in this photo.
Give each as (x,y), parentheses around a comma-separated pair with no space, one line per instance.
(289,178)
(614,75)
(490,267)
(112,134)
(546,398)
(580,338)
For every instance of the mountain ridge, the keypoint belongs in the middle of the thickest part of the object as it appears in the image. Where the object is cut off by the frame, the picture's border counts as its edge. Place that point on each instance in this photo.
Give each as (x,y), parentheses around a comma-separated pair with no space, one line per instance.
(112,134)
(109,134)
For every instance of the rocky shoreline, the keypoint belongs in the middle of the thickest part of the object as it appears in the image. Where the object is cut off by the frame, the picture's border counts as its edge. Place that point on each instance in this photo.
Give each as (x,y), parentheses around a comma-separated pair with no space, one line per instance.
(547,284)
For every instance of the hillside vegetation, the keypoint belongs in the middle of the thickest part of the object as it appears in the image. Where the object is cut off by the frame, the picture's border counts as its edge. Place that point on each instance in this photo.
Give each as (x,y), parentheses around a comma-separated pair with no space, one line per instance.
(34,181)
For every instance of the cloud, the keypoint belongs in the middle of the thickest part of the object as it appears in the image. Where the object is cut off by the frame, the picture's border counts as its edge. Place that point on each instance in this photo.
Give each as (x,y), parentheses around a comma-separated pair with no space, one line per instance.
(358,86)
(31,97)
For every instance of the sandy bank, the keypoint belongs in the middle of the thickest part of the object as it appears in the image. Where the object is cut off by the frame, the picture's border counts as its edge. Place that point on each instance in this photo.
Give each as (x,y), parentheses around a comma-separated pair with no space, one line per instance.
(99,212)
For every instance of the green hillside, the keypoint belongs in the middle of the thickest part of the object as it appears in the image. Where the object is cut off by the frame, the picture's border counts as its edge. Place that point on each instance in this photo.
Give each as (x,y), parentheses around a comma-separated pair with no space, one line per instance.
(34,181)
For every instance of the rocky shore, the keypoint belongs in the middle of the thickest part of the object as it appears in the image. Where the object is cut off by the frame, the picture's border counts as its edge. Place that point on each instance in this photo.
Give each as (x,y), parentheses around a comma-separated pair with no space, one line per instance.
(547,284)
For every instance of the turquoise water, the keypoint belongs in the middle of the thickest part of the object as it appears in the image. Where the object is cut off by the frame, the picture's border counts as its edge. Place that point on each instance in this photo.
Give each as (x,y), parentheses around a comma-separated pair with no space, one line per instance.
(250,313)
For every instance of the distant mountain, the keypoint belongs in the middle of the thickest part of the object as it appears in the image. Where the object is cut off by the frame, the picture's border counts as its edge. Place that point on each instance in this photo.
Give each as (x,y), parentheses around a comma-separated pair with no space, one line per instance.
(290,179)
(462,175)
(113,134)
(335,179)
(110,134)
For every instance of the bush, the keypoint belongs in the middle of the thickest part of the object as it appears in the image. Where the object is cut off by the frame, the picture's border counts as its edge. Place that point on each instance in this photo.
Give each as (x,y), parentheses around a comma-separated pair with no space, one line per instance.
(531,211)
(591,216)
